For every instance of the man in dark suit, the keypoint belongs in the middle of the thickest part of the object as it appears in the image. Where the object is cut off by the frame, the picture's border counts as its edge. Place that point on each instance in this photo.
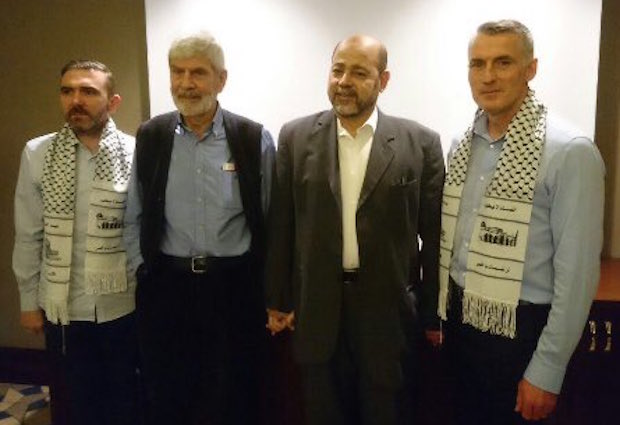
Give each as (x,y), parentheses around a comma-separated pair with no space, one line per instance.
(354,191)
(195,234)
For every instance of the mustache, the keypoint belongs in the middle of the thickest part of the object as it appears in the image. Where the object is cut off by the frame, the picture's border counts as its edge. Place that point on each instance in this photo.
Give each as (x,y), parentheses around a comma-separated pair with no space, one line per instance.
(77,110)
(187,93)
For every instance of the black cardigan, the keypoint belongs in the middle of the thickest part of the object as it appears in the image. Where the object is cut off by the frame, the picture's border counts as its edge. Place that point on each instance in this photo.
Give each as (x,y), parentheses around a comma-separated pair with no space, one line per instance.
(154,142)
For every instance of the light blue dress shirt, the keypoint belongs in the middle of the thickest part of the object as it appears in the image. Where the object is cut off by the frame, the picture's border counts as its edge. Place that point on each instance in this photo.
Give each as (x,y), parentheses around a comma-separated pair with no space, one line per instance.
(203,211)
(27,251)
(562,261)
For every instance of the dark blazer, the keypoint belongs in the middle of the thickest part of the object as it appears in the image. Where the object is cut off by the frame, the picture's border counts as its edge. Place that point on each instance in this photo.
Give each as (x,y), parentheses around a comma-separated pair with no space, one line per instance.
(400,201)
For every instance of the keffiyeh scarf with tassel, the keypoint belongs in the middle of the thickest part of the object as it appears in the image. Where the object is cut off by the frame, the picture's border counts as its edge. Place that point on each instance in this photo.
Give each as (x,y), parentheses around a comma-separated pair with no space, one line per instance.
(498,244)
(105,262)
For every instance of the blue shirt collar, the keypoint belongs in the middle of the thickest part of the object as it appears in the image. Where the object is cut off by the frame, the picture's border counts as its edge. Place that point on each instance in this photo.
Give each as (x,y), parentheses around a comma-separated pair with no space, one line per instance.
(481,129)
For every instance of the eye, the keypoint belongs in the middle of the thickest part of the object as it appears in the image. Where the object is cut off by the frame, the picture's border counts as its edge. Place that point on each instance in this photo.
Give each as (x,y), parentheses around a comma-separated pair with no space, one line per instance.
(200,72)
(503,63)
(337,72)
(65,90)
(475,64)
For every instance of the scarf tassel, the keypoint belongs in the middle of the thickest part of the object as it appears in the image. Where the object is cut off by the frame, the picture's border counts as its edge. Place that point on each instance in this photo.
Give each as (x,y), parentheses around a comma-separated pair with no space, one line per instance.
(56,310)
(492,316)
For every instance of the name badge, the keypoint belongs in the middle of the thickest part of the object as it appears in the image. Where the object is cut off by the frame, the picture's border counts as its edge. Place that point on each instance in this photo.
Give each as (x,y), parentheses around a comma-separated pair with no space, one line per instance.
(229,166)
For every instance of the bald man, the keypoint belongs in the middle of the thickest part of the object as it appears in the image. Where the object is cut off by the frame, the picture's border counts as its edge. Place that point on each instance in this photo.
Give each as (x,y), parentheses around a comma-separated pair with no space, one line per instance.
(355,191)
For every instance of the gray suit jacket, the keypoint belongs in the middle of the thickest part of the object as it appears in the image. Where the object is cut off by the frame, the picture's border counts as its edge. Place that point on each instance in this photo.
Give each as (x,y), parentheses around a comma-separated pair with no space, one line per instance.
(400,201)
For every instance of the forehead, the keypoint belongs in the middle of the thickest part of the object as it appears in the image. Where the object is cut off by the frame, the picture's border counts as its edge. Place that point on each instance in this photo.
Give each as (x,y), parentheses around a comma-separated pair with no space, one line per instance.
(194,62)
(491,46)
(356,54)
(84,77)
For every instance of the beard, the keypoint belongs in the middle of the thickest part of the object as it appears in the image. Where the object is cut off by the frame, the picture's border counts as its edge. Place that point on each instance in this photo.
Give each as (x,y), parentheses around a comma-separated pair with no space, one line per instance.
(189,106)
(347,110)
(353,105)
(83,122)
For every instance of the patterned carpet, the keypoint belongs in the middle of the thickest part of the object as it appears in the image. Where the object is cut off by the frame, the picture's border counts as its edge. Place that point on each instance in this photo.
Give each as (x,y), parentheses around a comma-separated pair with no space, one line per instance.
(24,404)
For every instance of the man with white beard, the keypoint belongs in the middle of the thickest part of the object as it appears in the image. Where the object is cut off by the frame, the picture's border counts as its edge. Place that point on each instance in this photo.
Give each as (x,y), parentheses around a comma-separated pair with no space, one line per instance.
(195,239)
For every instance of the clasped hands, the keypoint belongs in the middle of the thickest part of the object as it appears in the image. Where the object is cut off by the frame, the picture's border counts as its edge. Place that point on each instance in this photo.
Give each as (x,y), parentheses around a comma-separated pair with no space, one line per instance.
(277,321)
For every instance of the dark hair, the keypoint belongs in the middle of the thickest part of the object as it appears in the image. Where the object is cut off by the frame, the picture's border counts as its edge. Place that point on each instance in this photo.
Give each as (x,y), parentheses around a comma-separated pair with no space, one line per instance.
(91,65)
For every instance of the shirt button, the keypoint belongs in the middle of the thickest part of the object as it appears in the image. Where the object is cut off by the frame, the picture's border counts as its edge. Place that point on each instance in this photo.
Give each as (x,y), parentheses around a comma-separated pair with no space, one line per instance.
(467,244)
(198,170)
(481,178)
(198,199)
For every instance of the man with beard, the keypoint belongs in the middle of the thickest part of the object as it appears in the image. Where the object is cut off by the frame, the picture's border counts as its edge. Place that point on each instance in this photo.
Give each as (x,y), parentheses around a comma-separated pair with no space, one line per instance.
(68,256)
(354,191)
(195,236)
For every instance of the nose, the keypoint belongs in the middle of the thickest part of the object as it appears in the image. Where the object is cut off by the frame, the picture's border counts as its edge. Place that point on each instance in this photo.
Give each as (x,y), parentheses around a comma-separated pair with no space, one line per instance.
(489,74)
(187,80)
(345,79)
(76,98)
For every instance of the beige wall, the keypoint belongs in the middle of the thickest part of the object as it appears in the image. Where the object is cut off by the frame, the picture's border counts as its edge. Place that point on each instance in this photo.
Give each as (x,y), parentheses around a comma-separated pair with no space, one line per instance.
(608,121)
(37,38)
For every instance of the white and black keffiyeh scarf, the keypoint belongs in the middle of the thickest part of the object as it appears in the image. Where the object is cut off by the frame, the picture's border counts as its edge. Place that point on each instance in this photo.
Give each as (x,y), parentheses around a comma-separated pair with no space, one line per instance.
(498,244)
(105,261)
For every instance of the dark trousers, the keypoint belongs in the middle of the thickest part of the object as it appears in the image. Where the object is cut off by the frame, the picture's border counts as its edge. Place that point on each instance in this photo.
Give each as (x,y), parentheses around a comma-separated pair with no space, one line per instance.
(96,364)
(201,342)
(486,369)
(343,392)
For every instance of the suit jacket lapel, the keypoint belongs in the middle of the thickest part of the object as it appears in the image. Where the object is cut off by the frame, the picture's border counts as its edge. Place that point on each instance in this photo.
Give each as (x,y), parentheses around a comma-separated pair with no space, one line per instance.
(381,154)
(324,137)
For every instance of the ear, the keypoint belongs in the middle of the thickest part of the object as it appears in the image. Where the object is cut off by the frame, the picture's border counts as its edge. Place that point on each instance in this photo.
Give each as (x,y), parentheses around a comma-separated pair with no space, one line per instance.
(222,77)
(531,69)
(384,77)
(114,103)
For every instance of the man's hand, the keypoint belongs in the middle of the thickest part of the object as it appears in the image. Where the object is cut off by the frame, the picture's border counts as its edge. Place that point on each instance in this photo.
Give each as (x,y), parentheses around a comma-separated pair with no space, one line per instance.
(277,321)
(32,321)
(534,403)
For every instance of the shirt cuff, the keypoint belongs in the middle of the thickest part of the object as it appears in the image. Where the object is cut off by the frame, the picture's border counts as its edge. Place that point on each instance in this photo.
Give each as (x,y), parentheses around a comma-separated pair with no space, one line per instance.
(545,375)
(28,301)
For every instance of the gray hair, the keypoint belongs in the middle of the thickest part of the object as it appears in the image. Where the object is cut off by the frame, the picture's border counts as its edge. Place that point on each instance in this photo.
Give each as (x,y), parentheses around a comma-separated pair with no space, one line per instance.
(91,65)
(201,45)
(510,26)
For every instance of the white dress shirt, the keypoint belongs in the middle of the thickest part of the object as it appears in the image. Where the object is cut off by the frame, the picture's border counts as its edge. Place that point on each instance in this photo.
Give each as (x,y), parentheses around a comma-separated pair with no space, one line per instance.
(353,153)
